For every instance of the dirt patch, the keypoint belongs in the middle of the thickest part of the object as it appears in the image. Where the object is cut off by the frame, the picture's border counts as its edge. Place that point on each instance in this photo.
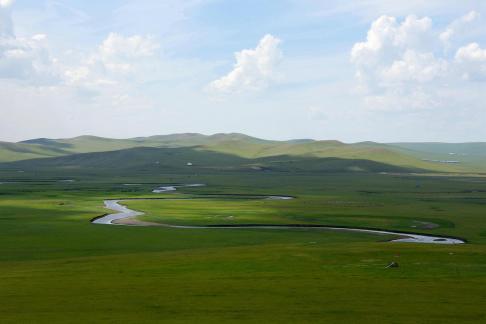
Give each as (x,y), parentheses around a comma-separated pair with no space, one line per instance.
(133,221)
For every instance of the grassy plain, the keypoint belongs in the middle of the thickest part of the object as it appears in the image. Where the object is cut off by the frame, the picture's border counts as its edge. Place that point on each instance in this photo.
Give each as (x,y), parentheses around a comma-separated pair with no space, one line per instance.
(57,267)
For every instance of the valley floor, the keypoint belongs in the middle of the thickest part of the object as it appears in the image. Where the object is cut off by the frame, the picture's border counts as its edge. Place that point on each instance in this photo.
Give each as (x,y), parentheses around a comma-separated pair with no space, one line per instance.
(57,267)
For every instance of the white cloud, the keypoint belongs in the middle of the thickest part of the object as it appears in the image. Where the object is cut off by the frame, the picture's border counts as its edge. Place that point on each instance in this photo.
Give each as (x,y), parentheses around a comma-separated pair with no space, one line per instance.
(472,62)
(415,67)
(29,59)
(381,34)
(387,38)
(414,33)
(405,65)
(132,47)
(471,53)
(458,26)
(254,68)
(26,59)
(119,54)
(115,62)
(106,75)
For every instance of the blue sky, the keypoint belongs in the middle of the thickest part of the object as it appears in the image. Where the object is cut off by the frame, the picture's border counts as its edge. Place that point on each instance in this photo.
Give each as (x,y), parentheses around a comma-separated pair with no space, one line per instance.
(348,70)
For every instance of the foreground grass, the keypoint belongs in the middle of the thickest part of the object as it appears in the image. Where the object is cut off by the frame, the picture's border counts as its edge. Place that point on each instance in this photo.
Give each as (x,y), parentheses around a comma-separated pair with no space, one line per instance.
(269,283)
(57,267)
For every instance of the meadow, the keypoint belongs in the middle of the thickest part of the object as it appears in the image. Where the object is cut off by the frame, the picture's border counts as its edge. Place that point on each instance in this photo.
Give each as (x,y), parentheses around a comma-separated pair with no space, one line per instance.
(58,267)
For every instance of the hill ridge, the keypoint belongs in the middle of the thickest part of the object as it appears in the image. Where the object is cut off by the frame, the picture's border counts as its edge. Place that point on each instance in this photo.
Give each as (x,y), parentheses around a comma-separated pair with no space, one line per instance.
(468,157)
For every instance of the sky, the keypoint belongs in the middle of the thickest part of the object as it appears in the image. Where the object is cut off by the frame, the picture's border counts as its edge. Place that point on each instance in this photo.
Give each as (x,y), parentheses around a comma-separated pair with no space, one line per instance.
(356,70)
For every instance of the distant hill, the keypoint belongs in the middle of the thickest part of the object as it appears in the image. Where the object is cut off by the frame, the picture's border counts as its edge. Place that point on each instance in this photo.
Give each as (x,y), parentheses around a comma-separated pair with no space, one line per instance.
(21,151)
(468,156)
(442,157)
(191,160)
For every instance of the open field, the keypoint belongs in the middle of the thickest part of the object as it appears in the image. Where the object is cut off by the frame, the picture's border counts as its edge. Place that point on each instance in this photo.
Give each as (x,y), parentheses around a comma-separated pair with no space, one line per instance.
(57,267)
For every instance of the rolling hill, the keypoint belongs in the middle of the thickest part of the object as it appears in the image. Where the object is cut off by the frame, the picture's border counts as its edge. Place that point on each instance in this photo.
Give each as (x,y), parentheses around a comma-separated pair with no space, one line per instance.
(440,157)
(23,151)
(190,160)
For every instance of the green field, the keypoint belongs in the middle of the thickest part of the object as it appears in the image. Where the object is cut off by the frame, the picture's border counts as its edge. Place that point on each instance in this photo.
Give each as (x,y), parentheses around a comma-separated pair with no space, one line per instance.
(57,267)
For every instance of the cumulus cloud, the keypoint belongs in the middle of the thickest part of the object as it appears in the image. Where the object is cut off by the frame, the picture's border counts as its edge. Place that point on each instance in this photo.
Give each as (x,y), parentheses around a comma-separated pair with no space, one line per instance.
(111,73)
(27,59)
(387,37)
(404,64)
(458,26)
(254,68)
(472,60)
(415,67)
(117,46)
(105,74)
(472,53)
(117,57)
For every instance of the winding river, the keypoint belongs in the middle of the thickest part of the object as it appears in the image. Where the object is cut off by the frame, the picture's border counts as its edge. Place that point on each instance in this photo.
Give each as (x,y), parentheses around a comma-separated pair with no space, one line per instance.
(123,214)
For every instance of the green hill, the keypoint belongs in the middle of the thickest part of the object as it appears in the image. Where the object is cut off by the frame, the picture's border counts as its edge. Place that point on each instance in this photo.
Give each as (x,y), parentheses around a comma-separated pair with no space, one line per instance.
(85,144)
(440,157)
(191,160)
(465,156)
(21,151)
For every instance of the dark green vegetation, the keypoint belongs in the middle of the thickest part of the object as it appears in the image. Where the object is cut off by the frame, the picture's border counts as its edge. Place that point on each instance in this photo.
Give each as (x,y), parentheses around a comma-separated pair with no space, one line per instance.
(59,268)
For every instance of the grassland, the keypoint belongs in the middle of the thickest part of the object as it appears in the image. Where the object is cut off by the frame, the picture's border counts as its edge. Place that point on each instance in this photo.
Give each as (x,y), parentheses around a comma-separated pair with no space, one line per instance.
(57,267)
(418,156)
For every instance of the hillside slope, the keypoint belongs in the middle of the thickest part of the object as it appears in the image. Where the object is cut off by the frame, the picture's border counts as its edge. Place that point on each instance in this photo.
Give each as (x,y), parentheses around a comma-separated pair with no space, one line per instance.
(190,160)
(21,151)
(468,157)
(465,156)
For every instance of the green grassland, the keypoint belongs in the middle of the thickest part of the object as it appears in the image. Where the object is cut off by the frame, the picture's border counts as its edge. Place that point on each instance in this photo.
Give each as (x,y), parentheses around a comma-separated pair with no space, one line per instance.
(57,267)
(418,156)
(20,151)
